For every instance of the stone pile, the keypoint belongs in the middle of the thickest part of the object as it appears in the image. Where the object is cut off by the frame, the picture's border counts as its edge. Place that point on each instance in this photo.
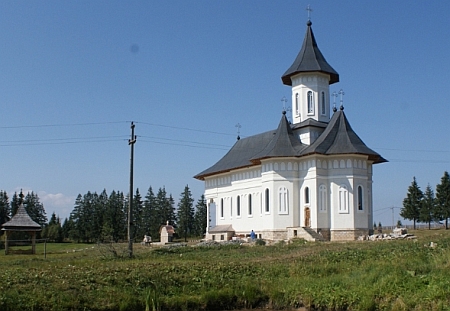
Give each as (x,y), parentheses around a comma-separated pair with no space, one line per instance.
(397,234)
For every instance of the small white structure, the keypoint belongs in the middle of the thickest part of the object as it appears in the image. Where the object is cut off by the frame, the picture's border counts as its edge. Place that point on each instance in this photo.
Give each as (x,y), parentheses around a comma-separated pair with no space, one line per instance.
(309,177)
(166,233)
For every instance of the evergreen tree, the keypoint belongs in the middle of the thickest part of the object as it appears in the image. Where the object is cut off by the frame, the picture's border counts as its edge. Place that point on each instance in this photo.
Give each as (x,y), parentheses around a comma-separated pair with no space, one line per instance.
(138,221)
(114,225)
(35,208)
(53,231)
(412,203)
(148,212)
(5,209)
(200,217)
(185,214)
(151,215)
(16,200)
(443,199)
(427,209)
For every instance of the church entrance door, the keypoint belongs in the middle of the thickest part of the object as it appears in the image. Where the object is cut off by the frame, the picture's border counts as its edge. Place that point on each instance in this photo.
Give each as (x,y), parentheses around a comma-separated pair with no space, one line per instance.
(307,217)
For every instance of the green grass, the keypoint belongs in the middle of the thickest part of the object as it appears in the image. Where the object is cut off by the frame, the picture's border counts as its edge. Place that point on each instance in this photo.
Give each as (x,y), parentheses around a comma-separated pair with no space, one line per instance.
(382,275)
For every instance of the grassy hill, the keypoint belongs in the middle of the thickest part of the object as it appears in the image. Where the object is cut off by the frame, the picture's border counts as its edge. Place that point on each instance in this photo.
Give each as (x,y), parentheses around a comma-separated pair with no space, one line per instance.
(359,275)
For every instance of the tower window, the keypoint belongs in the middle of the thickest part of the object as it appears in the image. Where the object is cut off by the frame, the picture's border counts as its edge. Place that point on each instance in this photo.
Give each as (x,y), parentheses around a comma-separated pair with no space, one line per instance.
(267,200)
(360,199)
(306,195)
(296,104)
(250,212)
(221,208)
(310,102)
(322,104)
(238,206)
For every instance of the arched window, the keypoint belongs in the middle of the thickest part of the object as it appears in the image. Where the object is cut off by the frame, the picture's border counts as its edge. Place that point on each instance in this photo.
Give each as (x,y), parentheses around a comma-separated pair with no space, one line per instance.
(343,199)
(306,195)
(360,199)
(322,198)
(221,208)
(250,211)
(310,102)
(267,200)
(238,206)
(283,200)
(231,207)
(296,104)
(322,104)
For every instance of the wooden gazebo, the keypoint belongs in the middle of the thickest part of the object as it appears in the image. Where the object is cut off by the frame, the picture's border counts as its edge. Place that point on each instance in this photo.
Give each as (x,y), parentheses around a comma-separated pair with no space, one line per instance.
(21,221)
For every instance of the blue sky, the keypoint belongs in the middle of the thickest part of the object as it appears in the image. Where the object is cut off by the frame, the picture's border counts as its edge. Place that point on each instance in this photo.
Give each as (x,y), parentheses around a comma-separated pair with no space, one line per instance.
(74,74)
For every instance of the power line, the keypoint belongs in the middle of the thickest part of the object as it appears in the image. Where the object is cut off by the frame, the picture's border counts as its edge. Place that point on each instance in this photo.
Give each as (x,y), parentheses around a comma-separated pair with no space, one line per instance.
(59,125)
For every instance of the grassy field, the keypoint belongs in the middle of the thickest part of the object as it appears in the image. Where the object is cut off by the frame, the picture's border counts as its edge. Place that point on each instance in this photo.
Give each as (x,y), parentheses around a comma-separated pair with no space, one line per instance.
(359,275)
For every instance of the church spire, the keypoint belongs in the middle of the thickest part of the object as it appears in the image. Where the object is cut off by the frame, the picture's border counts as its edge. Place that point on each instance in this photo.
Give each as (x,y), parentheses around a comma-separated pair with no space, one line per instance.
(310,59)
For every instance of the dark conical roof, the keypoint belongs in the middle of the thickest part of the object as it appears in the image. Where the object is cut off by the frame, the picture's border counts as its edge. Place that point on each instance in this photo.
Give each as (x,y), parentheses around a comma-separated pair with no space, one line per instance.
(339,138)
(21,221)
(283,144)
(310,59)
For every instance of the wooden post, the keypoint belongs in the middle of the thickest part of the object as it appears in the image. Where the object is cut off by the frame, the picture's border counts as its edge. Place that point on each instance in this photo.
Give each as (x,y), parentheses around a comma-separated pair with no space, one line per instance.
(33,242)
(6,242)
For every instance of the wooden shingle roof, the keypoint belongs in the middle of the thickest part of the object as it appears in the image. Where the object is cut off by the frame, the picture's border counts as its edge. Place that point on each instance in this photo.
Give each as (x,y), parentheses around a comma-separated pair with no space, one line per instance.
(21,221)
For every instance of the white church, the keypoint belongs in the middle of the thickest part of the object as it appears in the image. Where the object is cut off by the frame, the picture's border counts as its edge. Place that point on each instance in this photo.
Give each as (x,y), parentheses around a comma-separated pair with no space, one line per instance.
(311,178)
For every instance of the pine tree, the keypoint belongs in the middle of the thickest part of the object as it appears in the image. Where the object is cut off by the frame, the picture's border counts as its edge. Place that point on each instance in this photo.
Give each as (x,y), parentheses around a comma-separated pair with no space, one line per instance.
(412,203)
(5,209)
(185,214)
(16,200)
(35,208)
(427,209)
(138,207)
(114,223)
(148,213)
(443,199)
(200,217)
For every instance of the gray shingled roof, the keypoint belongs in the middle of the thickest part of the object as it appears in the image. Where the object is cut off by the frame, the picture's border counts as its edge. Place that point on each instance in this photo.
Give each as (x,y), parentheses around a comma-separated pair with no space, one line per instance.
(310,59)
(337,138)
(283,144)
(21,221)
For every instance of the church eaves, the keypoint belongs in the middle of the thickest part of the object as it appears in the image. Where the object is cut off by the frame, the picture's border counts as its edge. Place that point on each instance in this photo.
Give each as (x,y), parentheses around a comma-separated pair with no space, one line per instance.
(310,59)
(339,138)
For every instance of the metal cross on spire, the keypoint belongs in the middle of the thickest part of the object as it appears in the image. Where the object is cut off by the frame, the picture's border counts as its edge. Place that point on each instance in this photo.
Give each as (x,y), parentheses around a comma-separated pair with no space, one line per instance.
(308,8)
(284,101)
(335,95)
(341,92)
(238,126)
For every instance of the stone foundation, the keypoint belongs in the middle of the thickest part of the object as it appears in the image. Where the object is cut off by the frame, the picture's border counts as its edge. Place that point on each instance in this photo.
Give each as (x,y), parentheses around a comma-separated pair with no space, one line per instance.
(347,235)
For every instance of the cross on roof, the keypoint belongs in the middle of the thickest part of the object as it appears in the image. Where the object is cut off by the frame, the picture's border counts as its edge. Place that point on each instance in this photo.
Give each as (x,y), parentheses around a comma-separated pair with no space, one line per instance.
(238,126)
(308,8)
(335,95)
(284,101)
(341,92)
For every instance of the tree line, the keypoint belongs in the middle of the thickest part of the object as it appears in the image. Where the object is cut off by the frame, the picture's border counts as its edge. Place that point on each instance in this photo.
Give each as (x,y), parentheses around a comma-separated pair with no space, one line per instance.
(428,206)
(102,217)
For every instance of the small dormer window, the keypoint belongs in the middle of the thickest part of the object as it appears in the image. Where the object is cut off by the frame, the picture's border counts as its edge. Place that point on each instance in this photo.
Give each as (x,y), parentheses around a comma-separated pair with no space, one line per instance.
(310,102)
(322,104)
(296,104)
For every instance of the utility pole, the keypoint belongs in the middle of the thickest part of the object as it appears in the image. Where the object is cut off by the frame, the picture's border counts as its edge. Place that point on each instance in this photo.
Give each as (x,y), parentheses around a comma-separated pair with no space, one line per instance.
(131,142)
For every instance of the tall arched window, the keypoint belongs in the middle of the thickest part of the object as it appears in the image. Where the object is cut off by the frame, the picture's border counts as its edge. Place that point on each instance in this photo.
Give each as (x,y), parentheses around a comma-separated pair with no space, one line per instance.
(231,207)
(221,208)
(267,200)
(306,195)
(296,104)
(310,102)
(322,104)
(250,211)
(360,199)
(238,203)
